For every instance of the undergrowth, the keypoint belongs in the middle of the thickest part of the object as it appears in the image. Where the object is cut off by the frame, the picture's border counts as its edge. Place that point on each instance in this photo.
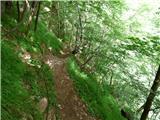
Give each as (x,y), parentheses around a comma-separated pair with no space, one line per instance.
(44,36)
(25,83)
(23,86)
(100,103)
(33,41)
(16,102)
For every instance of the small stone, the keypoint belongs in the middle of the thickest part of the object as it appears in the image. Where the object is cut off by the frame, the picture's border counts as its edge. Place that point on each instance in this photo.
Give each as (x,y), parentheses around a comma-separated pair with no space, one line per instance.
(60,107)
(77,115)
(76,98)
(83,106)
(85,114)
(61,52)
(43,104)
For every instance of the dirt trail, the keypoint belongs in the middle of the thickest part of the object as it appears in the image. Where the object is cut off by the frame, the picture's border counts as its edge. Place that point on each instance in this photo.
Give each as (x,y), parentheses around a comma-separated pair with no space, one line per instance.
(70,104)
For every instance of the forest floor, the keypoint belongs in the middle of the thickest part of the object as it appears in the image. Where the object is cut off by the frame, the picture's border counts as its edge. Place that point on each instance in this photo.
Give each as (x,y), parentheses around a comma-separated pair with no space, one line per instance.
(71,107)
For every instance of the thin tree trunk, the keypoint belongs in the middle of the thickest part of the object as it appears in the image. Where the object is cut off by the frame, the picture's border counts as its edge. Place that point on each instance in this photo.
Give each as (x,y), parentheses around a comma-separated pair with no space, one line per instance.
(54,18)
(2,4)
(111,79)
(76,36)
(22,12)
(33,11)
(151,95)
(37,15)
(18,11)
(61,20)
(80,25)
(82,66)
(53,14)
(8,5)
(79,31)
(90,58)
(141,108)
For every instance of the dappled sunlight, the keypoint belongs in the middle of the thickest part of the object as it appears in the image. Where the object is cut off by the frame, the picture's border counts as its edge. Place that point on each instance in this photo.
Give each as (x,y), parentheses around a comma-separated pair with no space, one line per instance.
(80,60)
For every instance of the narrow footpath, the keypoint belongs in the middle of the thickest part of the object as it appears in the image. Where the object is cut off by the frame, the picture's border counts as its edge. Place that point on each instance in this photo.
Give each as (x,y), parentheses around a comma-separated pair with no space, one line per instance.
(70,105)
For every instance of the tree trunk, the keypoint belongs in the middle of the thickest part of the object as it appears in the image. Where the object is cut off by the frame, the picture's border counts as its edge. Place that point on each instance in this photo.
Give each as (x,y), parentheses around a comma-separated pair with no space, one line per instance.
(22,12)
(18,11)
(111,79)
(54,20)
(151,95)
(2,4)
(80,25)
(61,21)
(37,15)
(79,30)
(33,11)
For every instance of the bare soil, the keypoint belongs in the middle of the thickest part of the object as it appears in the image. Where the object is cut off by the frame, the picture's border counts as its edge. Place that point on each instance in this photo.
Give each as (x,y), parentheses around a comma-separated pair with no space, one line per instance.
(70,105)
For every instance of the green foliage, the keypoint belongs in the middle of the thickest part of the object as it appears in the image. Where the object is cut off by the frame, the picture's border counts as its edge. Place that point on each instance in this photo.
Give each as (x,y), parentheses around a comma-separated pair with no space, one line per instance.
(148,46)
(23,86)
(16,102)
(44,36)
(100,103)
(40,84)
(124,44)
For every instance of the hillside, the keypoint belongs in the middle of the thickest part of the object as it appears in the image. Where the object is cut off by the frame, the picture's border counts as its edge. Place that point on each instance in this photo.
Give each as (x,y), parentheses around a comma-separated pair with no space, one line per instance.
(74,60)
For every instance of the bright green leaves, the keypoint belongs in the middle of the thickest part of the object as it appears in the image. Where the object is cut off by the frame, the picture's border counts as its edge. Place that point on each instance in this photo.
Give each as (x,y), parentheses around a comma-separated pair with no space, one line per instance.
(16,102)
(44,36)
(100,103)
(148,46)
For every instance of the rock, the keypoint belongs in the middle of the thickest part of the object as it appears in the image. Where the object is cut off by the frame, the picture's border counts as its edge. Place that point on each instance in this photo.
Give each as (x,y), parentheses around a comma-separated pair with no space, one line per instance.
(59,106)
(81,118)
(76,98)
(77,114)
(61,52)
(85,114)
(43,103)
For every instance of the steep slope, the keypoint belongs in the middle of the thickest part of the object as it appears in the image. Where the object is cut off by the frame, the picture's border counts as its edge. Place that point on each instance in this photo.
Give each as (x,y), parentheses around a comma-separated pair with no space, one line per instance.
(99,100)
(24,87)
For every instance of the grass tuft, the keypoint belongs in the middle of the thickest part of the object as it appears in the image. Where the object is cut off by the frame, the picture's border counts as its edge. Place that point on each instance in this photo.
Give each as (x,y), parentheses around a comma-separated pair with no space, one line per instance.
(100,103)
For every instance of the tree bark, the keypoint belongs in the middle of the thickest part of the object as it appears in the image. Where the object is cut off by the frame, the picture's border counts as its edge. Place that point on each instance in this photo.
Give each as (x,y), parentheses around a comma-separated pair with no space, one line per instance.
(79,30)
(80,25)
(111,79)
(23,12)
(18,11)
(56,23)
(61,24)
(33,11)
(151,96)
(37,15)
